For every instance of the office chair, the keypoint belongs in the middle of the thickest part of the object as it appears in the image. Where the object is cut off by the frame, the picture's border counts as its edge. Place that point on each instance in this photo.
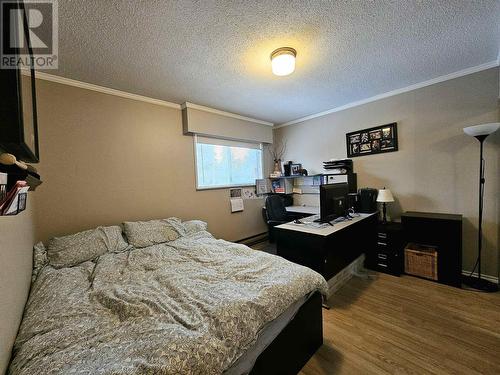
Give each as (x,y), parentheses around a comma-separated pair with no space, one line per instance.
(276,214)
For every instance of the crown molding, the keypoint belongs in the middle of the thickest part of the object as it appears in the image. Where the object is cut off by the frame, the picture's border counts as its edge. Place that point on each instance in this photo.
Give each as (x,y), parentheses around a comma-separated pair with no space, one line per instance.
(102,89)
(416,86)
(224,113)
(124,94)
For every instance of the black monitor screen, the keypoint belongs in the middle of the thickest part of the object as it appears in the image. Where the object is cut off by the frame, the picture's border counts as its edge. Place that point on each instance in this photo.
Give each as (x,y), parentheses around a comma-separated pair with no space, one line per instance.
(332,201)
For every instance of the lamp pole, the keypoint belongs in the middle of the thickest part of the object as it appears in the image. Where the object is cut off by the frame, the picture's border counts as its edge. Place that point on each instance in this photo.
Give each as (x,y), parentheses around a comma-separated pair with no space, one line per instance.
(480,132)
(384,209)
(477,282)
(482,181)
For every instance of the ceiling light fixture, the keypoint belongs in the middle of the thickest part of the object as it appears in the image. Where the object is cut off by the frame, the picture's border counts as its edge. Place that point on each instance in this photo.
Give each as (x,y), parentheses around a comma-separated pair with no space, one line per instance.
(283,61)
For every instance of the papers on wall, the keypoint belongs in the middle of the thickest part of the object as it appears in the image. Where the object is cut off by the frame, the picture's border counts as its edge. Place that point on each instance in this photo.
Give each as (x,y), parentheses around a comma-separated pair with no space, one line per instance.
(249,193)
(237,204)
(236,200)
(244,193)
(235,193)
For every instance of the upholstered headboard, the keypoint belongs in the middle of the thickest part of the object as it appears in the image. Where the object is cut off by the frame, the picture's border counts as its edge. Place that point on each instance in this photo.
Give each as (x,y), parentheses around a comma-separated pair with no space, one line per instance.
(16,244)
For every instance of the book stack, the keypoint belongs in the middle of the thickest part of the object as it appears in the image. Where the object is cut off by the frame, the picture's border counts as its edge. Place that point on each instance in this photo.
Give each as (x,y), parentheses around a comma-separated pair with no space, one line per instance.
(338,166)
(282,186)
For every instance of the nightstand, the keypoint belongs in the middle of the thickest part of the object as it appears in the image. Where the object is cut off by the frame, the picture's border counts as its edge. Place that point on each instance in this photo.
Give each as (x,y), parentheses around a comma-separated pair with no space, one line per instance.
(387,256)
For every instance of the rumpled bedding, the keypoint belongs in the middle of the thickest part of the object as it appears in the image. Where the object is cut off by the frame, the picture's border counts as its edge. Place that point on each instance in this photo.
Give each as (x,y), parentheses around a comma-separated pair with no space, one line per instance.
(190,306)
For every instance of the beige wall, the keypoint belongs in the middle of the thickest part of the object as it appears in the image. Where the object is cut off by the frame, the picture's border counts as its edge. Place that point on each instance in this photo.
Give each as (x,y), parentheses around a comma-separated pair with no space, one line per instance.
(16,244)
(106,159)
(436,167)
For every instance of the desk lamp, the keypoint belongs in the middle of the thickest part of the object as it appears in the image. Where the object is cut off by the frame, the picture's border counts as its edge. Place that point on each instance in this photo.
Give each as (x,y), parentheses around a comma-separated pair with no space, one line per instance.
(480,132)
(384,196)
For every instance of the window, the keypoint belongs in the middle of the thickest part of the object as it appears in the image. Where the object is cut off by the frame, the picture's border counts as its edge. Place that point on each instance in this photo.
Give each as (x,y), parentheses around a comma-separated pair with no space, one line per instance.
(223,163)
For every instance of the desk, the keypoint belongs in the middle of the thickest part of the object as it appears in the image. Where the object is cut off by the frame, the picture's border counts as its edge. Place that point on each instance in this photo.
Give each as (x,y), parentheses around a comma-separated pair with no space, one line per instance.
(310,210)
(330,249)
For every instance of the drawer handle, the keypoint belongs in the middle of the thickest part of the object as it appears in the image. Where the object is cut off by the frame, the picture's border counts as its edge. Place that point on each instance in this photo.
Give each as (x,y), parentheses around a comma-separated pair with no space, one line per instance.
(381,243)
(382,256)
(382,265)
(382,235)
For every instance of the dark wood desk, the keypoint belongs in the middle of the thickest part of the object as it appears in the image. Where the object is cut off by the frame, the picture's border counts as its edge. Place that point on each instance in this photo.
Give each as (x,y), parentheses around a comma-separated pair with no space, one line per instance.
(327,250)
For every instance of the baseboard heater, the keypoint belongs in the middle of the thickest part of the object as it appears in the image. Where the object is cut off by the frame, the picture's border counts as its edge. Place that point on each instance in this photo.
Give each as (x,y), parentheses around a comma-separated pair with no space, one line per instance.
(252,240)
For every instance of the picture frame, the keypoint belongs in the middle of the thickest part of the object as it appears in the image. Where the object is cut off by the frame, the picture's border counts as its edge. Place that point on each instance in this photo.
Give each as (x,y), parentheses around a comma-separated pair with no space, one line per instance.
(19,128)
(294,169)
(376,140)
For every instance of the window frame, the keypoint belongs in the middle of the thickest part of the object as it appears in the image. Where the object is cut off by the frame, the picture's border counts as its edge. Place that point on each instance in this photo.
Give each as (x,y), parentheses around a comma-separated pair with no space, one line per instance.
(229,186)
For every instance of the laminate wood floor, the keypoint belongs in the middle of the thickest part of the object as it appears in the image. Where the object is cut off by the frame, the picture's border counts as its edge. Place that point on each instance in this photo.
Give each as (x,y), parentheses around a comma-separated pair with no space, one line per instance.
(406,325)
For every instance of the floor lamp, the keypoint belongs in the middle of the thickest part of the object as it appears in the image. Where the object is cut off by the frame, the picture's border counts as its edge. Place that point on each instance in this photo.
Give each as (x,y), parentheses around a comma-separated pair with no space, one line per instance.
(480,132)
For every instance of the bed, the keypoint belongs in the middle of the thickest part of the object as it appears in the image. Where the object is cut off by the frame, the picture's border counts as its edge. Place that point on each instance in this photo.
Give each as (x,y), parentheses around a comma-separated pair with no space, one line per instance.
(171,299)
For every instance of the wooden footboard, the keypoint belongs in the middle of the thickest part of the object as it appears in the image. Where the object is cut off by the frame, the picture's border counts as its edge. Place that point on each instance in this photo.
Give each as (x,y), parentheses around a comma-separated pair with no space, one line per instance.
(296,344)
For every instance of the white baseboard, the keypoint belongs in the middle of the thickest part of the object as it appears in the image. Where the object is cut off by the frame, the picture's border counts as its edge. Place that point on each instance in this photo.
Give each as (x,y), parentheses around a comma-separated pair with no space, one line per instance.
(337,281)
(493,279)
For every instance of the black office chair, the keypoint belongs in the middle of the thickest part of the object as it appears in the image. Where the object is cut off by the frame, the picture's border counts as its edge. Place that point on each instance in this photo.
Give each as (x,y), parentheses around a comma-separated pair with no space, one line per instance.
(276,214)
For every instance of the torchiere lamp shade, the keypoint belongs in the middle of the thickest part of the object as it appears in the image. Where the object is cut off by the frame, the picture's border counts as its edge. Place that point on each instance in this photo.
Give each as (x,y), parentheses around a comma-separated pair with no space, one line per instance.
(482,130)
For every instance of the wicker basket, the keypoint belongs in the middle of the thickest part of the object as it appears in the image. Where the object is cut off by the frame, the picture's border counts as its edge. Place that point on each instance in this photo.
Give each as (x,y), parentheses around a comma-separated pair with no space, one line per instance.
(421,261)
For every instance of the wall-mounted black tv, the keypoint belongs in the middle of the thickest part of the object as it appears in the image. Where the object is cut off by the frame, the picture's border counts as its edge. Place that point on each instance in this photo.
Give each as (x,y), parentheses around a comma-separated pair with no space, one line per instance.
(18,116)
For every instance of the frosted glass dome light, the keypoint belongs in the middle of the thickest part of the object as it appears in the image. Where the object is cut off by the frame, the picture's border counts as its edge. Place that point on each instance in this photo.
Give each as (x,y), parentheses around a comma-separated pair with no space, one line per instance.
(283,61)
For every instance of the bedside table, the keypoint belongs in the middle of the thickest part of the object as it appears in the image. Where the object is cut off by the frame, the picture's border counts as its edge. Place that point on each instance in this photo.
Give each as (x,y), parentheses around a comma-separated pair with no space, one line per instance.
(387,256)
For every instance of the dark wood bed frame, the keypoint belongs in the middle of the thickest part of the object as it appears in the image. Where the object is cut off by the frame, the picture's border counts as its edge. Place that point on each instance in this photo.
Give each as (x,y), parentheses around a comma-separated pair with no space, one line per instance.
(296,344)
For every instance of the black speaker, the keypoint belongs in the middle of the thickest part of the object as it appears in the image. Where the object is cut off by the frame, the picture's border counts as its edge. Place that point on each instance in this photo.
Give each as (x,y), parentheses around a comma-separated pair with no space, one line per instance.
(368,200)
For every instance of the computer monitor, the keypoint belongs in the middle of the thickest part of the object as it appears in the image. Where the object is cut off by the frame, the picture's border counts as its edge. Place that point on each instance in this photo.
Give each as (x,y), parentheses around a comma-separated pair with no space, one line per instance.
(333,201)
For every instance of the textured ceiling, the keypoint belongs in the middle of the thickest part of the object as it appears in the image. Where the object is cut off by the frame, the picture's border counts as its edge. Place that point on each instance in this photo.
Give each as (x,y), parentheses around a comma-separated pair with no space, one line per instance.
(216,53)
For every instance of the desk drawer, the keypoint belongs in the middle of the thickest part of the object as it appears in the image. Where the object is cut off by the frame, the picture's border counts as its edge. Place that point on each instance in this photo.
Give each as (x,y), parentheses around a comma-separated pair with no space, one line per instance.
(388,237)
(382,236)
(390,245)
(382,244)
(385,261)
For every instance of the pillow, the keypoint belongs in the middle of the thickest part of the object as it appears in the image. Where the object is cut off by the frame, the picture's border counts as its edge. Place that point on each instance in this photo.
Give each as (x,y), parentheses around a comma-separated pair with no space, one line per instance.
(147,233)
(80,247)
(193,226)
(40,260)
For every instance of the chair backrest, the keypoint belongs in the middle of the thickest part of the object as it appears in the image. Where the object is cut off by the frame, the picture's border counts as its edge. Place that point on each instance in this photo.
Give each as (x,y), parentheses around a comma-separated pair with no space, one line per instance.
(275,208)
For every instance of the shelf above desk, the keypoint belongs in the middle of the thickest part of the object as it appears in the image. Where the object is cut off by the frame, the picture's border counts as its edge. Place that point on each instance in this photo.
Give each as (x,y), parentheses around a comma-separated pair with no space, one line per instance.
(312,210)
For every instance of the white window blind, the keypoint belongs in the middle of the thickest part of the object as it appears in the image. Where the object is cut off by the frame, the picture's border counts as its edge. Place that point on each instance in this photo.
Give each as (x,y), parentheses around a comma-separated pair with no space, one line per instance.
(226,163)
